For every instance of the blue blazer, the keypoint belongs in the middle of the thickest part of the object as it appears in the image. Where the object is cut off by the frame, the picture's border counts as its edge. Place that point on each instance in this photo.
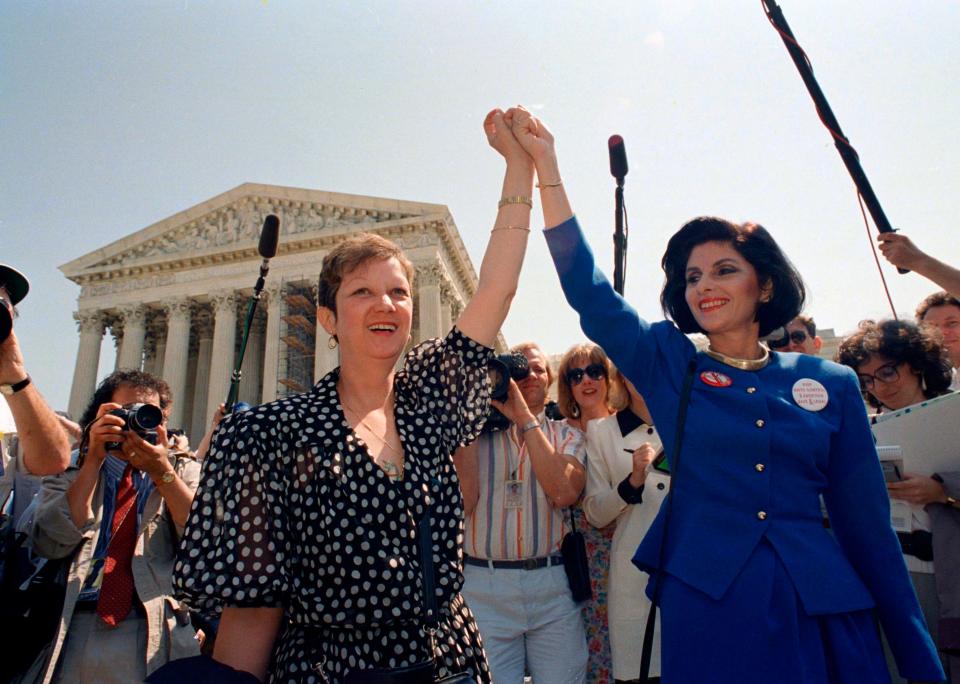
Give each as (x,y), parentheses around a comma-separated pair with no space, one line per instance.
(754,464)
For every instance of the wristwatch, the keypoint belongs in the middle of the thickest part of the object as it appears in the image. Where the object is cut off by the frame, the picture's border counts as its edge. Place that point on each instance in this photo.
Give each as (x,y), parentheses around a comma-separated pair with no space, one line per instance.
(168,477)
(10,390)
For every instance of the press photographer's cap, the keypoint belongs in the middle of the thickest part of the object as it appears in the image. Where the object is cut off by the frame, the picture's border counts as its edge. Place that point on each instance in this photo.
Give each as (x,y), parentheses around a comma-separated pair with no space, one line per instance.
(15,282)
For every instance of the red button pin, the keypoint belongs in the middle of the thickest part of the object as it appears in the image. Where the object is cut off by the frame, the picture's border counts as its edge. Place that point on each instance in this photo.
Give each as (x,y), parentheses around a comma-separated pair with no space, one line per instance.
(715,379)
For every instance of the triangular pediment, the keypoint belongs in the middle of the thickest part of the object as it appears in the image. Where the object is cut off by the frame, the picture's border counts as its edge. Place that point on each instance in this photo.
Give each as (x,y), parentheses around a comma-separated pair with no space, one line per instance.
(228,226)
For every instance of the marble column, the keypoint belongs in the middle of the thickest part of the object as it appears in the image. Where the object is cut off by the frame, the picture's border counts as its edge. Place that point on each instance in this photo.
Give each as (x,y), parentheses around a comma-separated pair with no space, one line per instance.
(176,355)
(134,331)
(446,302)
(271,337)
(224,350)
(198,423)
(90,324)
(252,363)
(428,300)
(115,324)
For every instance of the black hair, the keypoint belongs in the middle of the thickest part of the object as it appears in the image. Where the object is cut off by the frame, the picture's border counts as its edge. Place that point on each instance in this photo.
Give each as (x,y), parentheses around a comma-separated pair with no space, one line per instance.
(753,243)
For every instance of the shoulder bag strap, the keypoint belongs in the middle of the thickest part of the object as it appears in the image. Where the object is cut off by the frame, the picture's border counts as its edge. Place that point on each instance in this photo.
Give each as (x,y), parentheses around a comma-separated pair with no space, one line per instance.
(647,651)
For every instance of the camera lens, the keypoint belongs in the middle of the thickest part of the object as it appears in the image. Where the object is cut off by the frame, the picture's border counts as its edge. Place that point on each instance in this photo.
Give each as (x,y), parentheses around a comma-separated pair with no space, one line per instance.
(145,416)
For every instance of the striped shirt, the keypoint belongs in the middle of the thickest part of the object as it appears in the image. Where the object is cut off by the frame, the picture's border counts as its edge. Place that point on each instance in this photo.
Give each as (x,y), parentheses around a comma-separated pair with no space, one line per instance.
(531,527)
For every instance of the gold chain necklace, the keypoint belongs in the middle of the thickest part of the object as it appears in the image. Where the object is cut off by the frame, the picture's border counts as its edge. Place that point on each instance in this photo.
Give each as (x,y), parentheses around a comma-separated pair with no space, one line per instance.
(393,470)
(742,364)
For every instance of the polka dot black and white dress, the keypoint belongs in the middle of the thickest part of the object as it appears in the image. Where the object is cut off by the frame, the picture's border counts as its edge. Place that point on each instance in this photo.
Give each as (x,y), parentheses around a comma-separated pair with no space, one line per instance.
(291,511)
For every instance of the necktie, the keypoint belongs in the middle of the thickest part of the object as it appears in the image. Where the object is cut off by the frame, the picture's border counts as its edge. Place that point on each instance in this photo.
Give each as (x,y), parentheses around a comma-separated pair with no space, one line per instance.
(116,590)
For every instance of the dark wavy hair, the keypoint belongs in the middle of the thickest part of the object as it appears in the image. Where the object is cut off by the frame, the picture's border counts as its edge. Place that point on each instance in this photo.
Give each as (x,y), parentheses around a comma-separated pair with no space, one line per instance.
(126,376)
(899,341)
(753,243)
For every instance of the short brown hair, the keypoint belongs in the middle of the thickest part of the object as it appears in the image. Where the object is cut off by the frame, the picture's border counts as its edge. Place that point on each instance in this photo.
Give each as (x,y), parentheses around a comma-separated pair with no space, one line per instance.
(936,299)
(616,395)
(350,254)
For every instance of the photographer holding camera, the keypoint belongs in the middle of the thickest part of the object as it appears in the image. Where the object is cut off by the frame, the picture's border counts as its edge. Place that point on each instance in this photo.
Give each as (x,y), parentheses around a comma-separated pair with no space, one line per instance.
(43,443)
(118,511)
(516,484)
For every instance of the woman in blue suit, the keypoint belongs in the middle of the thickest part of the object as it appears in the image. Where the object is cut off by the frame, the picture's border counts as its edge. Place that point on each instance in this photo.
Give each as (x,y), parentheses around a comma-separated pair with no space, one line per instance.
(754,590)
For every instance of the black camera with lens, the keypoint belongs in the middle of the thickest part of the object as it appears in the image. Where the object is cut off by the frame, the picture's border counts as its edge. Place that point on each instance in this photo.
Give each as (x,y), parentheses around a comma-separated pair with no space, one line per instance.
(500,370)
(140,418)
(504,367)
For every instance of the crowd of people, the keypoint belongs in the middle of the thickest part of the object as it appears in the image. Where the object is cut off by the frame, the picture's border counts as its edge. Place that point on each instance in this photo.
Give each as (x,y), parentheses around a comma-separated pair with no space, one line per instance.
(703,502)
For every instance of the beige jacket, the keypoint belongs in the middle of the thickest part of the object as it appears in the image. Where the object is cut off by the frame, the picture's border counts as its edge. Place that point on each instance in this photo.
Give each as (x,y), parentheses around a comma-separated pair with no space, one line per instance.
(54,535)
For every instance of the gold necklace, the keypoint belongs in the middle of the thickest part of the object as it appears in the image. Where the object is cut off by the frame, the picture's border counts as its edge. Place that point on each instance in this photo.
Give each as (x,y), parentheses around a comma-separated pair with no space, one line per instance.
(742,364)
(393,470)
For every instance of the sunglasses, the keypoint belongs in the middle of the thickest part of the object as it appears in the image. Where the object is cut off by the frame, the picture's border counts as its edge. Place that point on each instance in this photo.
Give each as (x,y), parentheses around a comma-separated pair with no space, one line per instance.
(886,373)
(797,337)
(594,371)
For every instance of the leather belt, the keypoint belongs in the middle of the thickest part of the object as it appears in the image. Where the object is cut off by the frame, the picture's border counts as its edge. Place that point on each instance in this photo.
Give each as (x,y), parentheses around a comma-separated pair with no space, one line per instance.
(525,564)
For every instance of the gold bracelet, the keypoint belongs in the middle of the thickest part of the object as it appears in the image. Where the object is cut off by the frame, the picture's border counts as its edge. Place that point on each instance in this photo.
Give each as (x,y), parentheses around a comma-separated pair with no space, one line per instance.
(551,185)
(525,229)
(515,199)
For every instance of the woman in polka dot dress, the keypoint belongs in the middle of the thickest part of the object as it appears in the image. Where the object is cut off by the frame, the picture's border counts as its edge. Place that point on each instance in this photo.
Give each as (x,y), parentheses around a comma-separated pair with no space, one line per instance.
(304,528)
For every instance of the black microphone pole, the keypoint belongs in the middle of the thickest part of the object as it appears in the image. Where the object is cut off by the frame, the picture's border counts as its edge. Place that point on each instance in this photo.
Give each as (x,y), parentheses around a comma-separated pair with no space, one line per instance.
(618,168)
(849,155)
(269,237)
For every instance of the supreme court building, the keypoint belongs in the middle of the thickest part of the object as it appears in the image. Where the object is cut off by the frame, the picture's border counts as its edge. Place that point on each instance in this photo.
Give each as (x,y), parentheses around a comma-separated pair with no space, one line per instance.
(174,295)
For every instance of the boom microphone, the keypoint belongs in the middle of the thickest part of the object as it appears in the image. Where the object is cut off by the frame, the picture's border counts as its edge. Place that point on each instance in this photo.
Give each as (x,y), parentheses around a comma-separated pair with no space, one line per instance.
(618,158)
(269,237)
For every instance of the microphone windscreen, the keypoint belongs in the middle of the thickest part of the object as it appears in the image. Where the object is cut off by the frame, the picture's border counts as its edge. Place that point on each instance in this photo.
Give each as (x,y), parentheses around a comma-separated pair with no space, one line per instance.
(618,156)
(269,237)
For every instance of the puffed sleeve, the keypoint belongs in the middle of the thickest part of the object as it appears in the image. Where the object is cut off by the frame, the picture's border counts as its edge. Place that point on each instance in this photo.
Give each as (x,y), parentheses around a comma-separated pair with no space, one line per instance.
(601,501)
(859,511)
(232,550)
(448,378)
(634,345)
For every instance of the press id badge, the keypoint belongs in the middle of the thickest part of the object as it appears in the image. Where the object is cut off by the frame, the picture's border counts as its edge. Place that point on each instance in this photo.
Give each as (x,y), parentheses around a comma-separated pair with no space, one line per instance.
(513,494)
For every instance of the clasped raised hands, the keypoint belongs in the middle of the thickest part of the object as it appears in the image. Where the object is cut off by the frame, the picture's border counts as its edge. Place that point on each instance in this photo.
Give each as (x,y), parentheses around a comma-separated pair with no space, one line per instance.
(519,135)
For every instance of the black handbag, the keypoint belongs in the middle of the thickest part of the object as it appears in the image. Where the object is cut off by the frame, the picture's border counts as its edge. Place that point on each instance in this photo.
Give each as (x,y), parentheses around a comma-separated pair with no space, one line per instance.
(647,651)
(573,548)
(423,672)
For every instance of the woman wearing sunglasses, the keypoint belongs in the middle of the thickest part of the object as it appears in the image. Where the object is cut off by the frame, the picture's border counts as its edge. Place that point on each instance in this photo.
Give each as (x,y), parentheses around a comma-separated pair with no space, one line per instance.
(900,364)
(752,588)
(586,393)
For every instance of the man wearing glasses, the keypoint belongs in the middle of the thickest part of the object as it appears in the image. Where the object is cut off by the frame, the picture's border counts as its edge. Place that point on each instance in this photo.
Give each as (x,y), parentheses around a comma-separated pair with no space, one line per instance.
(801,337)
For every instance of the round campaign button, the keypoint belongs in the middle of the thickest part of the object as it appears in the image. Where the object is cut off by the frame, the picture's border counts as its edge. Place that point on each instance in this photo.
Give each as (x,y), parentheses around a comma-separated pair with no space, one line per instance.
(715,379)
(810,394)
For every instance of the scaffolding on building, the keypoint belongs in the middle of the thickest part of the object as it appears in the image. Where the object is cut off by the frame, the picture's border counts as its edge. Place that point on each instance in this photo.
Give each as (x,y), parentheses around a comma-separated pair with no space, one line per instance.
(298,336)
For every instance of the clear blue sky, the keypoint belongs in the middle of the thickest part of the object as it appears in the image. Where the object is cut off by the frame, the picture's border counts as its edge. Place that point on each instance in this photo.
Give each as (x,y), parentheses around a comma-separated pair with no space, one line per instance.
(114,115)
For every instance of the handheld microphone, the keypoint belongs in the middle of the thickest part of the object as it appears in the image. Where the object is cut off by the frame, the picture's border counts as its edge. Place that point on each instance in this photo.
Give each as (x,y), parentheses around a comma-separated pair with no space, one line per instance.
(618,158)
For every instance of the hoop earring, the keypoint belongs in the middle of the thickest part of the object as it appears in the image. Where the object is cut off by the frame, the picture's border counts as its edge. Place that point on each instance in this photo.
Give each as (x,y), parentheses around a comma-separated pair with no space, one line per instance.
(332,342)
